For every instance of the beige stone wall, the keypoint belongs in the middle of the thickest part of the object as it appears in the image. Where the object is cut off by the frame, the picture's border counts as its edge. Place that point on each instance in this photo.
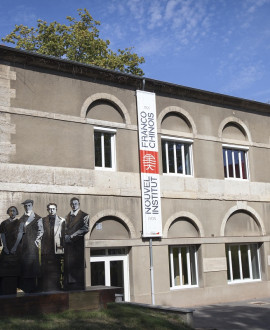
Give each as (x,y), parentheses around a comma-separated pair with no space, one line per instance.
(42,141)
(66,100)
(212,295)
(66,94)
(214,279)
(46,153)
(213,286)
(208,118)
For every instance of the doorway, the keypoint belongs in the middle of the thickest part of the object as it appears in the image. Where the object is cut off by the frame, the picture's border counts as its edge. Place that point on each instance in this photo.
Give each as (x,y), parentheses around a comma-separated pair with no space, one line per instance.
(109,267)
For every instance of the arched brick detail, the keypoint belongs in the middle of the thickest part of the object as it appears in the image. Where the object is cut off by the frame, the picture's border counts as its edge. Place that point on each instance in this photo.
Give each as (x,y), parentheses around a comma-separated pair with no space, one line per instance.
(115,214)
(237,121)
(108,97)
(242,207)
(194,220)
(180,111)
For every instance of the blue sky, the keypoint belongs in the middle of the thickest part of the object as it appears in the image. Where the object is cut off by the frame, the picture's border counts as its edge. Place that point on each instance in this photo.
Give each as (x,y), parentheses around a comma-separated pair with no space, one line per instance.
(221,46)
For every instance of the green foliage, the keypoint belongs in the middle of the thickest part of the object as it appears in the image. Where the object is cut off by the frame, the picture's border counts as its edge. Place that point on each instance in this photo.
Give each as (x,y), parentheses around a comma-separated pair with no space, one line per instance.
(114,318)
(77,41)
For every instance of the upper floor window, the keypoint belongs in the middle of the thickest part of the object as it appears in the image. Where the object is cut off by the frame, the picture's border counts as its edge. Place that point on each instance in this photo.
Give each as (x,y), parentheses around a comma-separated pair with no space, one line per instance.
(104,148)
(183,266)
(235,162)
(177,155)
(243,263)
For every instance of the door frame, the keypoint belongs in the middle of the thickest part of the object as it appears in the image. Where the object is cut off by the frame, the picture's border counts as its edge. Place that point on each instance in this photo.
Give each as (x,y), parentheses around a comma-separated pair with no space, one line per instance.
(107,259)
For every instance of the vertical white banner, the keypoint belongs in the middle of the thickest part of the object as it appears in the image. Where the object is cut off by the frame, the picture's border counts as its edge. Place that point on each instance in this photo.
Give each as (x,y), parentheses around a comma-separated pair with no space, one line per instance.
(149,164)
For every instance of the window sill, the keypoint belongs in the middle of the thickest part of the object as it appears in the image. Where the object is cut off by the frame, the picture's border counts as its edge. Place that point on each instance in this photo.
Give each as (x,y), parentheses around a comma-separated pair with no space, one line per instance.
(178,175)
(243,281)
(105,169)
(183,287)
(237,179)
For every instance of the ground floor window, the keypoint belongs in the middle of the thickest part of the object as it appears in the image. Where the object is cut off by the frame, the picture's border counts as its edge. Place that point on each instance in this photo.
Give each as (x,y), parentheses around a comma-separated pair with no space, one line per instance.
(110,267)
(183,266)
(243,262)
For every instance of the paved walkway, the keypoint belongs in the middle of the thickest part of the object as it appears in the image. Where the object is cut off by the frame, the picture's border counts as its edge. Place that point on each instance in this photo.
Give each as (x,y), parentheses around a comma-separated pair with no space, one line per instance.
(249,315)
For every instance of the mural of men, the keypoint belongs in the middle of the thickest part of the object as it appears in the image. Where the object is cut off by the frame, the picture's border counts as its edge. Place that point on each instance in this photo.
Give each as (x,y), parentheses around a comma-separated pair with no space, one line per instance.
(11,231)
(76,226)
(52,250)
(29,248)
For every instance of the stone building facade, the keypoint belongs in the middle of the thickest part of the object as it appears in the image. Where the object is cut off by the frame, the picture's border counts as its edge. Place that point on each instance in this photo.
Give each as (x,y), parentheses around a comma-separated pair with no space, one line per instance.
(68,129)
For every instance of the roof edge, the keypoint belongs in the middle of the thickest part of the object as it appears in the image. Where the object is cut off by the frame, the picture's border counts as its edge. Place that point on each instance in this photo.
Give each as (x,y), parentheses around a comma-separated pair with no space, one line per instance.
(18,56)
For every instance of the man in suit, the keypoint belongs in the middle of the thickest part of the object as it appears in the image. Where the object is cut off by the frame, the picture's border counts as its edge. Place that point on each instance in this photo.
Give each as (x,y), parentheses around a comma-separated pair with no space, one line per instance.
(29,248)
(76,226)
(52,250)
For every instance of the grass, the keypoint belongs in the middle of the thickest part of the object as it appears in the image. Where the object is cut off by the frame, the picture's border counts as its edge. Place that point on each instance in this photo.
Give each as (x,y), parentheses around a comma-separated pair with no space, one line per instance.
(116,317)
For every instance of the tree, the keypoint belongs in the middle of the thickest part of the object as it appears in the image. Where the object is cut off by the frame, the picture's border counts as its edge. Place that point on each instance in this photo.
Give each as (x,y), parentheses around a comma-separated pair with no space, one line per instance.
(77,41)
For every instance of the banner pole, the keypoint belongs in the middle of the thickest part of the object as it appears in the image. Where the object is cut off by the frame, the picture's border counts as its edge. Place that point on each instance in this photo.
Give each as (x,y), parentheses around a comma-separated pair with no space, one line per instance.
(149,169)
(152,272)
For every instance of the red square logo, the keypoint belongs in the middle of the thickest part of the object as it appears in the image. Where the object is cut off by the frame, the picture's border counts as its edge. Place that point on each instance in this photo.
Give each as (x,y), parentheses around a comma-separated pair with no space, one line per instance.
(149,161)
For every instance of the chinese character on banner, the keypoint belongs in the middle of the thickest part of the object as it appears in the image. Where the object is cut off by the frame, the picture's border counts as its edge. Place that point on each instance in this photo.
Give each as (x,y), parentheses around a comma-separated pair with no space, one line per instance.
(149,162)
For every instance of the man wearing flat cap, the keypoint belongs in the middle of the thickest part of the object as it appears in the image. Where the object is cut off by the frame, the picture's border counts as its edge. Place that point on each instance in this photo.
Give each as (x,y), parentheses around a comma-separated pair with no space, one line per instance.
(76,226)
(29,248)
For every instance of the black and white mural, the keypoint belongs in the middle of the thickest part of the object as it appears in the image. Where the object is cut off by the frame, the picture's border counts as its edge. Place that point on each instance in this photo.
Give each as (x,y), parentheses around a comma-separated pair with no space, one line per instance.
(42,254)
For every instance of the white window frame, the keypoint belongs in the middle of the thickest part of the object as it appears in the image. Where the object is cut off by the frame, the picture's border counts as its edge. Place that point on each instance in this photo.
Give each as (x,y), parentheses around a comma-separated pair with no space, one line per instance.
(183,286)
(181,140)
(242,280)
(238,148)
(107,259)
(113,148)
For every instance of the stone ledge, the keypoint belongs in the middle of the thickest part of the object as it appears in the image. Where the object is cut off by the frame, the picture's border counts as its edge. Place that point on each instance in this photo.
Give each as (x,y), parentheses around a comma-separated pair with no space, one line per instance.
(92,298)
(59,189)
(6,108)
(185,314)
(38,178)
(35,178)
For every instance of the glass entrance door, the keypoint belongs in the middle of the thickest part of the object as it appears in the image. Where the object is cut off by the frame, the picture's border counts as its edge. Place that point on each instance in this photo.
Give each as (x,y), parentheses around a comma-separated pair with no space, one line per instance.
(110,269)
(116,273)
(98,273)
